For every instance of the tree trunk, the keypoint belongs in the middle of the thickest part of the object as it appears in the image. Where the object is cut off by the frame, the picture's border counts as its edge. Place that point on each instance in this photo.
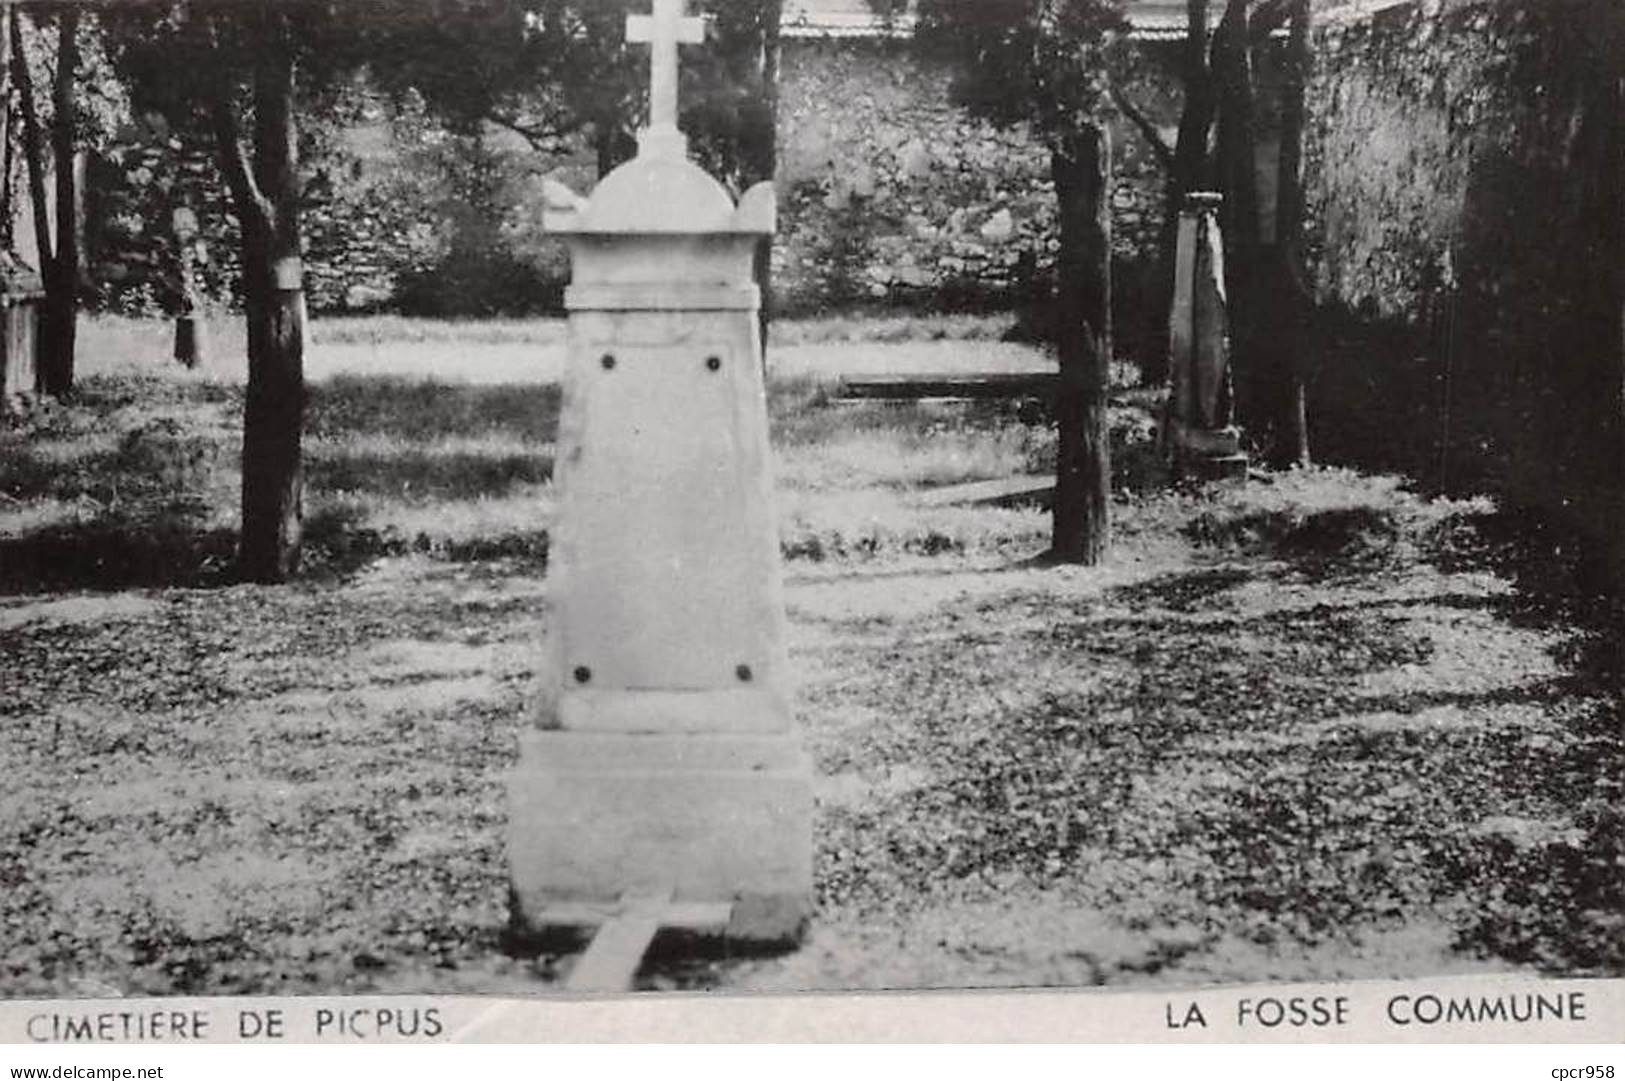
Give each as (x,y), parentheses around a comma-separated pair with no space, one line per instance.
(1233,78)
(274,303)
(1080,163)
(1616,449)
(1236,165)
(8,193)
(273,413)
(61,314)
(612,146)
(34,163)
(1290,443)
(1593,332)
(33,144)
(746,38)
(1196,115)
(766,154)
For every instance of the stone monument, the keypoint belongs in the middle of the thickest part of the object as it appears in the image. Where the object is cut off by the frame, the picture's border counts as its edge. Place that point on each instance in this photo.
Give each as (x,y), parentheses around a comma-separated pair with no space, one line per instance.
(190,335)
(21,296)
(663,773)
(1201,407)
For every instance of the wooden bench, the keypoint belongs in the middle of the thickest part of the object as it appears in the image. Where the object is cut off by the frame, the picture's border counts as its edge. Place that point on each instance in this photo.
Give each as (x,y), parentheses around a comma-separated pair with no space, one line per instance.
(948,385)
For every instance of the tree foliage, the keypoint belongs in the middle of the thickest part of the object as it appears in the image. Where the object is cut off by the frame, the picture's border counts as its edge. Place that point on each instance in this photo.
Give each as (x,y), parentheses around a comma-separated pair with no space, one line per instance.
(560,74)
(551,71)
(1045,62)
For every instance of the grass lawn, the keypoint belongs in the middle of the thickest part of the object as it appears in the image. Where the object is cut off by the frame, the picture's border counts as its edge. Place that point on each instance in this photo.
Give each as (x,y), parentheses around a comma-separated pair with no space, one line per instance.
(1315,727)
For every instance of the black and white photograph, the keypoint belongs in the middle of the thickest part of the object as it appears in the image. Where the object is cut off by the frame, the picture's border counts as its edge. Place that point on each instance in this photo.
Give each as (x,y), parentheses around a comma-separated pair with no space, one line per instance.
(526,498)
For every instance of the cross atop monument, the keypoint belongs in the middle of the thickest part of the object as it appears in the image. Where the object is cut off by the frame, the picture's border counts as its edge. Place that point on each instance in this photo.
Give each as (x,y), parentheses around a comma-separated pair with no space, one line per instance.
(663,30)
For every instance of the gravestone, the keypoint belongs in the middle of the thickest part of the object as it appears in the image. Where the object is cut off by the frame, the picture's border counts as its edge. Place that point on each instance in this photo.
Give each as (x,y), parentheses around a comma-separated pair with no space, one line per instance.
(1201,432)
(663,769)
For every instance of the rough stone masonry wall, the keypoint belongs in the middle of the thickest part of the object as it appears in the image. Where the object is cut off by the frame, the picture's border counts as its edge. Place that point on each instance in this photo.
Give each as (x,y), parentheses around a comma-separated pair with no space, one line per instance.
(1463,169)
(891,194)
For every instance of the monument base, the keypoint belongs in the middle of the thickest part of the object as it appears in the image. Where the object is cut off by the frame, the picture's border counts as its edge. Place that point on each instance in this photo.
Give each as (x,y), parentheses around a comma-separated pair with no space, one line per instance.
(714,823)
(1231,467)
(1208,453)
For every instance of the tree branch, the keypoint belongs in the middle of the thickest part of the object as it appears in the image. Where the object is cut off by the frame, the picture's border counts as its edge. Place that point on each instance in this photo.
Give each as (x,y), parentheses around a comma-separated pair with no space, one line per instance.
(276,140)
(540,137)
(234,163)
(245,192)
(1153,136)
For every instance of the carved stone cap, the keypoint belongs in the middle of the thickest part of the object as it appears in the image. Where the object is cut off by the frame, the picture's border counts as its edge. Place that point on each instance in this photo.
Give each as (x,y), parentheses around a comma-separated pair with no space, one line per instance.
(660,194)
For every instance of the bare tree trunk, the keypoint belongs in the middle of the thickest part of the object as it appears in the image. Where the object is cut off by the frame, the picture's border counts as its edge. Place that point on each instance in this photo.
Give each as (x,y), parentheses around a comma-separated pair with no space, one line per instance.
(1233,78)
(33,144)
(1080,163)
(8,193)
(611,147)
(1595,327)
(274,411)
(267,200)
(62,276)
(766,154)
(1290,443)
(1616,456)
(34,163)
(745,123)
(1196,115)
(1236,164)
(1614,432)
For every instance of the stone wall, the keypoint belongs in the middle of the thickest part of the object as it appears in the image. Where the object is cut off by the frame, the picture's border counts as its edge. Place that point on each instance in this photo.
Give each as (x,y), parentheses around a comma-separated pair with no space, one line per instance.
(1464,174)
(891,194)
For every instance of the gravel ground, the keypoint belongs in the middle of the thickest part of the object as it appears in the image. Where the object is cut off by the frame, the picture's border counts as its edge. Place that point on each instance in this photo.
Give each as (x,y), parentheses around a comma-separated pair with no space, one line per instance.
(1319,728)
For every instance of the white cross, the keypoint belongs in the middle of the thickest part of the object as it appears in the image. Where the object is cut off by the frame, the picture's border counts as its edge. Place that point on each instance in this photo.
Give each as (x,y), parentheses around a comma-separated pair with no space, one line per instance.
(664,30)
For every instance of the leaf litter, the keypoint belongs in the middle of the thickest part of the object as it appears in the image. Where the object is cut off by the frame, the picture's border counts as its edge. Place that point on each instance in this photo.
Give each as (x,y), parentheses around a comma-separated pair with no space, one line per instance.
(1264,743)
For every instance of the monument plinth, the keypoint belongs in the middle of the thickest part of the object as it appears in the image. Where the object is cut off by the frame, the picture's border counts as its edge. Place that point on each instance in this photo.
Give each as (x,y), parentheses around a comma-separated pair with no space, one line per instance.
(1201,406)
(663,761)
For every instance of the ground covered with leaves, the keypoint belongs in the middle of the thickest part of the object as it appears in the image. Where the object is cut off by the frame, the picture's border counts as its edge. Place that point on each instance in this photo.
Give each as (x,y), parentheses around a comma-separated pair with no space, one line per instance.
(1316,726)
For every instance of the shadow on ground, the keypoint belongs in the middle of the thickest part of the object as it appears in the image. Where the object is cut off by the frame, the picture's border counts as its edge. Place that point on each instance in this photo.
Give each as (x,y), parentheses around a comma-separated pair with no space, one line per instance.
(426,410)
(1268,746)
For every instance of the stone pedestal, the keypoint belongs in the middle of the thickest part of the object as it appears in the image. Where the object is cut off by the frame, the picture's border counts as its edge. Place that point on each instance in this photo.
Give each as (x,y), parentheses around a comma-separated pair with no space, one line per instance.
(662,759)
(1202,436)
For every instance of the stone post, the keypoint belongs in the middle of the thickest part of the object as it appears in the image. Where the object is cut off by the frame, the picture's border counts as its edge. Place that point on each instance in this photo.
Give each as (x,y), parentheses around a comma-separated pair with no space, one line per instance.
(1201,409)
(21,295)
(663,761)
(190,337)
